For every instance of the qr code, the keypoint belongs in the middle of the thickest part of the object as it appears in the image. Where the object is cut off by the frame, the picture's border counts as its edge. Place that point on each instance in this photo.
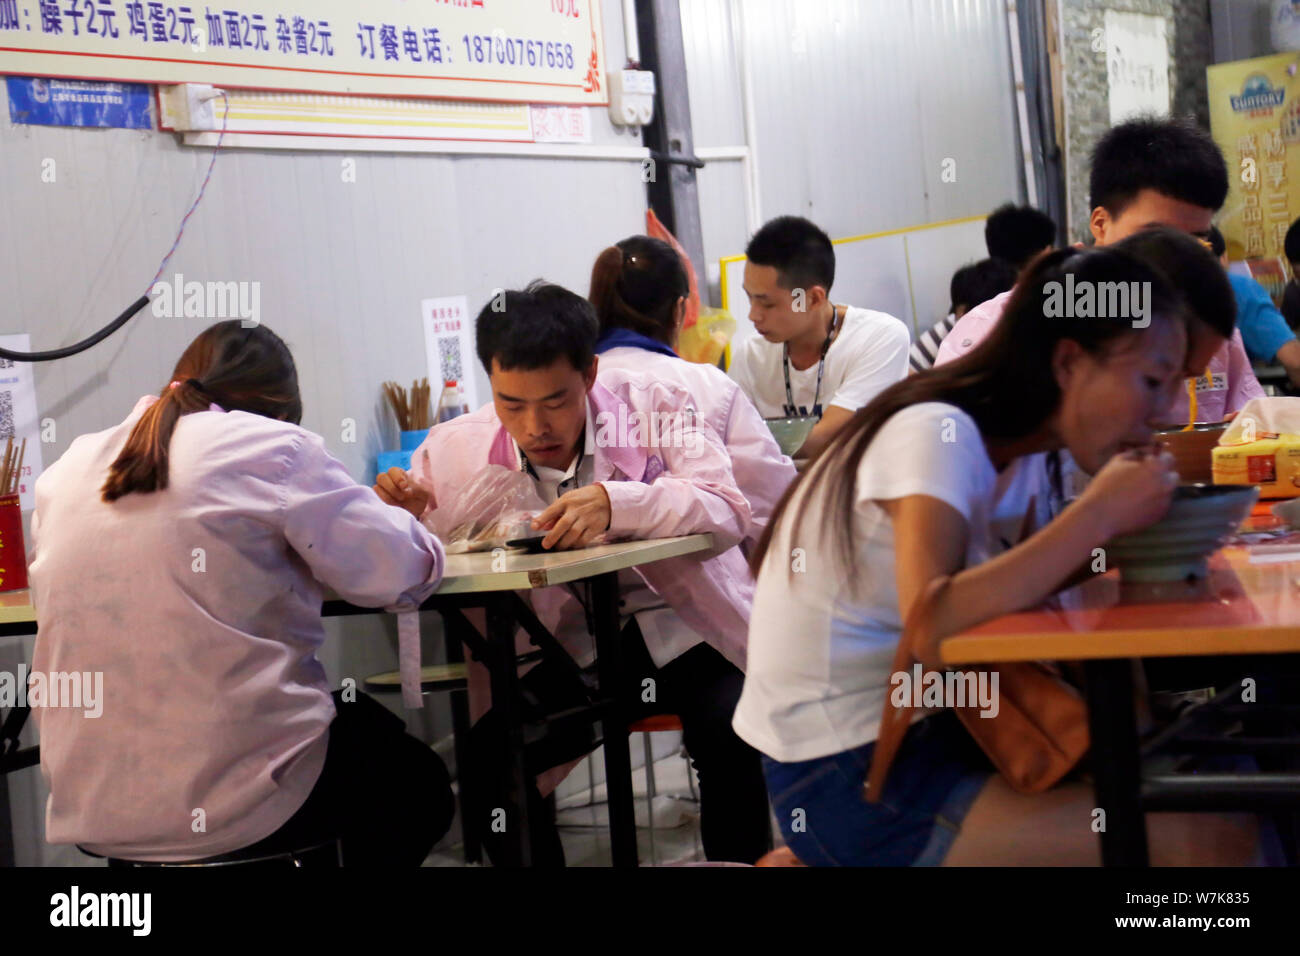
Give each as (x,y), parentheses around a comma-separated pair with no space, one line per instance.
(6,414)
(449,359)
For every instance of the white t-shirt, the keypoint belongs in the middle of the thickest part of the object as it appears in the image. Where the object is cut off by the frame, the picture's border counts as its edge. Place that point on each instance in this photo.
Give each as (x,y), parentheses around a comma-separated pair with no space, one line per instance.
(822,639)
(868,355)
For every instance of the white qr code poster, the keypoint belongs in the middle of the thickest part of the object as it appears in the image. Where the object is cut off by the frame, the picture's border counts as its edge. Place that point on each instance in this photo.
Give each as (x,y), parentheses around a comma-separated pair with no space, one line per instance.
(449,342)
(18,415)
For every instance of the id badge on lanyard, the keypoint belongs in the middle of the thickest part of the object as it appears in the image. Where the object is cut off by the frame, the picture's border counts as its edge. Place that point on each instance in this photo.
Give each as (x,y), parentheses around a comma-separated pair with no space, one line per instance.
(791,409)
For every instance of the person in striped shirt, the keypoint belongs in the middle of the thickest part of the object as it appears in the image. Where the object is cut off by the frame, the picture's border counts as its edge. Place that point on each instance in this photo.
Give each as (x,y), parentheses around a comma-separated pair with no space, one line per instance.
(971,285)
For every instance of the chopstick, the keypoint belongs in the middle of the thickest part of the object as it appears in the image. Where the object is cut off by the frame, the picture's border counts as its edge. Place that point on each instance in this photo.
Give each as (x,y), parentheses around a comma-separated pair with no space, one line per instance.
(6,467)
(18,470)
(411,408)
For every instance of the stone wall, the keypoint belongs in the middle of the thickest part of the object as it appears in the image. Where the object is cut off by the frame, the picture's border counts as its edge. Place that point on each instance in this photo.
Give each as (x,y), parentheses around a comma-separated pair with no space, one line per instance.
(1086,93)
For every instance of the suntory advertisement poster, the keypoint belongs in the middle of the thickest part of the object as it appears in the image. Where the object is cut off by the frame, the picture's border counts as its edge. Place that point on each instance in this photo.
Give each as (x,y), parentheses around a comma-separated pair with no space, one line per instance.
(1255,118)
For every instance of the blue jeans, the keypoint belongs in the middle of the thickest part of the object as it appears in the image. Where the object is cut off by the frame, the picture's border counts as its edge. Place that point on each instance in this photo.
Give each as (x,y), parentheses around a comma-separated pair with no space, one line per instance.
(936,776)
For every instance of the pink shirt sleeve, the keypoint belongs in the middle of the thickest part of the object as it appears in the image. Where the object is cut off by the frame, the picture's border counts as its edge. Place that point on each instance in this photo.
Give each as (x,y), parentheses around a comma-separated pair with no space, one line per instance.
(761,471)
(695,494)
(371,553)
(971,329)
(1242,383)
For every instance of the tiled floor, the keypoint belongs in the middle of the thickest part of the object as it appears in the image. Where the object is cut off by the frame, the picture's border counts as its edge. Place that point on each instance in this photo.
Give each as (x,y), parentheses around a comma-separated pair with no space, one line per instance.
(583,823)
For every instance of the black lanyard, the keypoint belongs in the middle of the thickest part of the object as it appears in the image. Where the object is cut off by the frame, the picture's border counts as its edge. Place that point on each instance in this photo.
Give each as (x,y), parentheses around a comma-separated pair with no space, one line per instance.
(790,408)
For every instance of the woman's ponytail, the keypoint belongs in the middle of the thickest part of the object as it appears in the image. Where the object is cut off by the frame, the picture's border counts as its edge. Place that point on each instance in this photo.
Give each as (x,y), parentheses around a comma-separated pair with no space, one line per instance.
(636,285)
(142,463)
(235,368)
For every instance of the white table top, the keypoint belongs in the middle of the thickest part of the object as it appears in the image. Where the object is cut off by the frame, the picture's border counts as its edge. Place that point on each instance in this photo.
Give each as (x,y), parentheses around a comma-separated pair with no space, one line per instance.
(468,573)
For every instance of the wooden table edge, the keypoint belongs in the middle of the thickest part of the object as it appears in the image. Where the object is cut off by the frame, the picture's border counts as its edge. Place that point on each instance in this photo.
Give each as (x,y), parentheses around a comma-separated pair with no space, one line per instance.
(1111,645)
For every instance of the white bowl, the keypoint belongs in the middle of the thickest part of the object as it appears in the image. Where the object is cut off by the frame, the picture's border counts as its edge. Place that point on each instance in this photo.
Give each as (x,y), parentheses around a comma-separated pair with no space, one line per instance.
(1177,546)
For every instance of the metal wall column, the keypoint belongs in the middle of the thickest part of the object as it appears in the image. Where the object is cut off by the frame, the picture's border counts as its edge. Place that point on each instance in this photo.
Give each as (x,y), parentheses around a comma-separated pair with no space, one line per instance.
(672,191)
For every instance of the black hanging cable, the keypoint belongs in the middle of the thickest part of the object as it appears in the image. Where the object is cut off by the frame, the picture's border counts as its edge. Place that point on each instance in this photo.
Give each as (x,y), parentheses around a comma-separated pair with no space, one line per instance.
(105,332)
(51,354)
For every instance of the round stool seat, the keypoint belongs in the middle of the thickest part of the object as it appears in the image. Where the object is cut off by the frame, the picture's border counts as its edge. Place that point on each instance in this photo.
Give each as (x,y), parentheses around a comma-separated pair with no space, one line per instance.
(657,724)
(327,854)
(781,856)
(433,678)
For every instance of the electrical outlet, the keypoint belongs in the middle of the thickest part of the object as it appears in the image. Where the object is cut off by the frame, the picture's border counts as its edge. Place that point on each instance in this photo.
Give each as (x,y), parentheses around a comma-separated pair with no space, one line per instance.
(631,97)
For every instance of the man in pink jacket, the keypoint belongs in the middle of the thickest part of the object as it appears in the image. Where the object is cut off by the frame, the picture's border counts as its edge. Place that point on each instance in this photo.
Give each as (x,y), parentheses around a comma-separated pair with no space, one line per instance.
(1152,172)
(598,475)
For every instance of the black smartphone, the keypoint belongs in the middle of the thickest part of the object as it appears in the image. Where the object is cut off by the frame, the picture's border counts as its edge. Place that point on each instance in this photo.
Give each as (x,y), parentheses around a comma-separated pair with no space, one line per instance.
(531,543)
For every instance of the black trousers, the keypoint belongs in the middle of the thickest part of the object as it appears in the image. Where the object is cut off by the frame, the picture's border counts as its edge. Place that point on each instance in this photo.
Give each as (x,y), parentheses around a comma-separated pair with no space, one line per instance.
(701,687)
(384,793)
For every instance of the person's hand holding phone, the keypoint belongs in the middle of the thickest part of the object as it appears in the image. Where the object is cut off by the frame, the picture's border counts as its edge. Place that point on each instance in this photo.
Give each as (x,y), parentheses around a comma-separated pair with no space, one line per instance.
(575,519)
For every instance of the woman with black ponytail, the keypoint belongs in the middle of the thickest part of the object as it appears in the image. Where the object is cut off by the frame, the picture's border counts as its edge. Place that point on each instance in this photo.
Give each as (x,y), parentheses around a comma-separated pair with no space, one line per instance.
(639,290)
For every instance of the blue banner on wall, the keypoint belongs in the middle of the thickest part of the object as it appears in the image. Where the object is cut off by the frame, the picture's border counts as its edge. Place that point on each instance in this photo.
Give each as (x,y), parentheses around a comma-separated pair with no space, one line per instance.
(37,101)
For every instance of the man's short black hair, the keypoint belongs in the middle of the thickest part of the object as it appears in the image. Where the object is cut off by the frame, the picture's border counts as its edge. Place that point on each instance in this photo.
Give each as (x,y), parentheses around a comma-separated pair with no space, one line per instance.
(1218,245)
(1174,157)
(1291,245)
(978,282)
(800,252)
(1018,233)
(1191,269)
(531,328)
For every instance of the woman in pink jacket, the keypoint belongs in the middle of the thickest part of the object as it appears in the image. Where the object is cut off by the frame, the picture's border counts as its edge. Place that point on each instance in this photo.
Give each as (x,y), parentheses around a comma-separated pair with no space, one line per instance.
(177,557)
(639,290)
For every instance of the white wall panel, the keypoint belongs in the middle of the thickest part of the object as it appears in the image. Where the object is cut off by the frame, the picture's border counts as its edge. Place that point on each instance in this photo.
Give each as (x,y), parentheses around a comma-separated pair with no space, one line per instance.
(857,104)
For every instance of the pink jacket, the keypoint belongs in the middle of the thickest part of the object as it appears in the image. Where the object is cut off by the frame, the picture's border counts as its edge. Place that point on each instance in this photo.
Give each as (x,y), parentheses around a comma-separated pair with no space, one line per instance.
(761,471)
(1231,381)
(654,492)
(200,607)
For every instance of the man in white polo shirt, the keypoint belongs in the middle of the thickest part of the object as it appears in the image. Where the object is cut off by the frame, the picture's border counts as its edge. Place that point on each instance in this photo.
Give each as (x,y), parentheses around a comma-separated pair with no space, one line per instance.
(810,357)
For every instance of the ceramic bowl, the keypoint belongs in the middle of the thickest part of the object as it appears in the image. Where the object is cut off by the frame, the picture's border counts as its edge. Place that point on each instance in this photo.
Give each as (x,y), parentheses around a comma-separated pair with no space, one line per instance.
(1178,546)
(790,433)
(1192,450)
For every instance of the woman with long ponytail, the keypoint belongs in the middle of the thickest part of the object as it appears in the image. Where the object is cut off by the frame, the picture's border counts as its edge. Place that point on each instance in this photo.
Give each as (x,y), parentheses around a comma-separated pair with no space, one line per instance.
(181,556)
(639,289)
(903,497)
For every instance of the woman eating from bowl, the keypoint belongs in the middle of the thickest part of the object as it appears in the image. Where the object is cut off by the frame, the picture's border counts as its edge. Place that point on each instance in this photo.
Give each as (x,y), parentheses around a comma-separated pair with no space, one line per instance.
(639,289)
(902,498)
(177,554)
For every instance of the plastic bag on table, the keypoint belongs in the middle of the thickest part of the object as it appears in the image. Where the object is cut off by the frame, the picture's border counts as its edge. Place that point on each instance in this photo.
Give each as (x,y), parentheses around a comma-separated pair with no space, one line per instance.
(497,505)
(708,338)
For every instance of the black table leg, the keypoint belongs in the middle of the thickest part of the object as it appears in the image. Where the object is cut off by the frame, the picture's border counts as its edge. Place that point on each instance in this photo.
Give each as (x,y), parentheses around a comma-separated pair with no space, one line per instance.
(618,759)
(1116,761)
(501,628)
(471,810)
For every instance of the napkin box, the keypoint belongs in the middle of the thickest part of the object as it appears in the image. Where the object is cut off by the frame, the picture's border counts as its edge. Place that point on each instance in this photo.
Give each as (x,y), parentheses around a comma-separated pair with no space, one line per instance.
(1272,462)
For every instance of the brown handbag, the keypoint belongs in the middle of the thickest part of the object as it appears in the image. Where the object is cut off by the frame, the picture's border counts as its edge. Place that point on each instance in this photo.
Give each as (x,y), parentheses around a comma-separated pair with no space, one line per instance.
(1040,732)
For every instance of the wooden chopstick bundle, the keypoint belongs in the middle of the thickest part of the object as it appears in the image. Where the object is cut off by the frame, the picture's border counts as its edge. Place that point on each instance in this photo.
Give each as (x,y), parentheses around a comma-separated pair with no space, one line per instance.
(410,408)
(11,467)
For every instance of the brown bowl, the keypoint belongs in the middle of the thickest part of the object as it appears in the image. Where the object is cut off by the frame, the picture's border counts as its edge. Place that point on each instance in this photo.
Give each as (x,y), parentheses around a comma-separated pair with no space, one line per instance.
(1192,450)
